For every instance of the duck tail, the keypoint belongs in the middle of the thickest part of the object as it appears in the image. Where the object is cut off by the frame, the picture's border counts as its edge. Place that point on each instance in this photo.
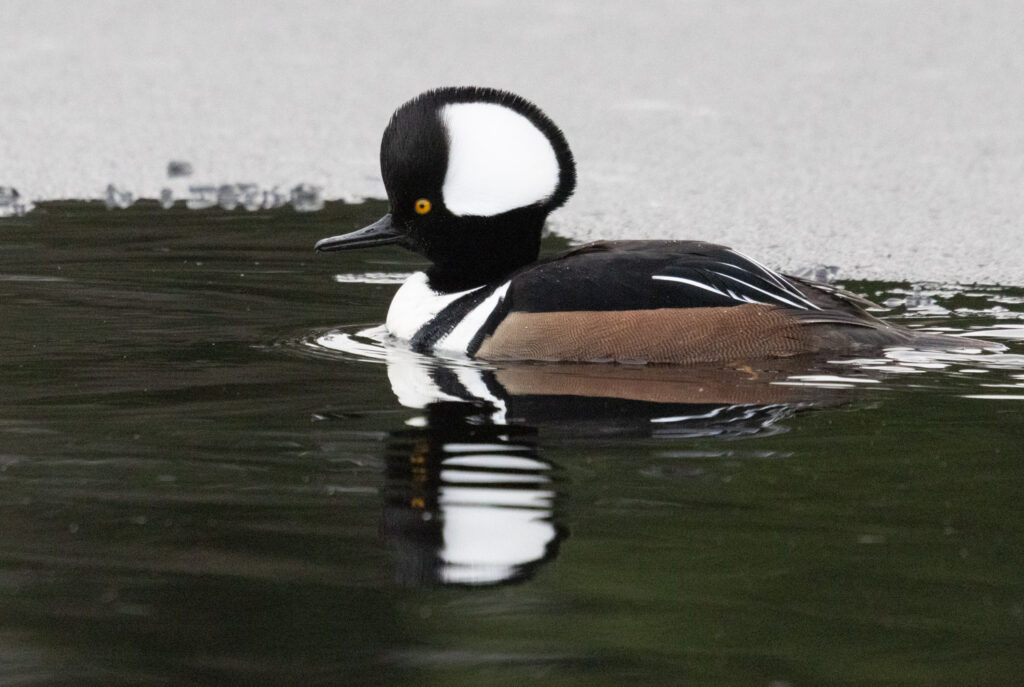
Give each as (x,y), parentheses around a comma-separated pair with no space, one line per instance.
(953,343)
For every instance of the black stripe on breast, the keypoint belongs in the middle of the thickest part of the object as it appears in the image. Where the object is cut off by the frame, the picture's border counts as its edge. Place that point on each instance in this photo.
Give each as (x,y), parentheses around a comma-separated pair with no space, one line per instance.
(499,313)
(445,321)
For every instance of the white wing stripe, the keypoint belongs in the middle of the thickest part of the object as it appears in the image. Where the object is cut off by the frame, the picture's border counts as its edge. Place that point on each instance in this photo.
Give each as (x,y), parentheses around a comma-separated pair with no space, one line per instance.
(745,299)
(765,273)
(769,293)
(681,280)
(731,294)
(781,283)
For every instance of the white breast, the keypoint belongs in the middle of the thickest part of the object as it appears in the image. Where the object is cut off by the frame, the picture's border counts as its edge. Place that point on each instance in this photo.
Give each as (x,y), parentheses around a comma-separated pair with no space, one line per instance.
(416,304)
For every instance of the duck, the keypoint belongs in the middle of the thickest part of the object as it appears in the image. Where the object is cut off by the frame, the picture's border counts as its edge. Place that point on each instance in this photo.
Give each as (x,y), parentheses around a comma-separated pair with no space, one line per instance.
(471,175)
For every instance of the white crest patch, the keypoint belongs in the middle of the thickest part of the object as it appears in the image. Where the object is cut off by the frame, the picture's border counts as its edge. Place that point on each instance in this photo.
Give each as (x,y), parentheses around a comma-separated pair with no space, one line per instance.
(498,160)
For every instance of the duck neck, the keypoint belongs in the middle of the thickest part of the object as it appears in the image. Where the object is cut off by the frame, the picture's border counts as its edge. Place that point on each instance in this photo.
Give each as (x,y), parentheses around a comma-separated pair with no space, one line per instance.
(478,255)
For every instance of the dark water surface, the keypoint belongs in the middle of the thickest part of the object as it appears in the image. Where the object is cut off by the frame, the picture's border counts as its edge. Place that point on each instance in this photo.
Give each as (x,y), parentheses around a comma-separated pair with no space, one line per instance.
(211,474)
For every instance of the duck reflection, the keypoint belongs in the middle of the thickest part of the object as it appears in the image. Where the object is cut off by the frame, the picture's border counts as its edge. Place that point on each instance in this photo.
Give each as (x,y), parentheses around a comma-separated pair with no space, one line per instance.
(592,400)
(470,499)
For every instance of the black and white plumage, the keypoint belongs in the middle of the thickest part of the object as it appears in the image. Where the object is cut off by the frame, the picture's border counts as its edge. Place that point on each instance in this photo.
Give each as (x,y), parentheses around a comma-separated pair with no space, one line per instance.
(620,276)
(471,175)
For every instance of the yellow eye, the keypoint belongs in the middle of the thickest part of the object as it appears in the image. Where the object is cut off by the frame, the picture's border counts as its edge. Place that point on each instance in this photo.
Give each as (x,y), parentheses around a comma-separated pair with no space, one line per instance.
(422,206)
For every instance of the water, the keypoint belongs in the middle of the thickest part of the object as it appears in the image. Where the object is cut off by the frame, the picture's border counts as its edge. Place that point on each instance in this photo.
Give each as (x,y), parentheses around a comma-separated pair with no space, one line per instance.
(213,471)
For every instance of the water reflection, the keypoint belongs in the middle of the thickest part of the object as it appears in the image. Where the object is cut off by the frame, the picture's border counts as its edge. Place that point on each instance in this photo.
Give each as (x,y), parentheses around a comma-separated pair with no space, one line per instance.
(469,497)
(468,501)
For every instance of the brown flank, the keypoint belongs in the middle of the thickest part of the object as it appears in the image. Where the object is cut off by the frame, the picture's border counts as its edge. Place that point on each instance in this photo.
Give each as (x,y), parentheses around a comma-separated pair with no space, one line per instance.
(665,335)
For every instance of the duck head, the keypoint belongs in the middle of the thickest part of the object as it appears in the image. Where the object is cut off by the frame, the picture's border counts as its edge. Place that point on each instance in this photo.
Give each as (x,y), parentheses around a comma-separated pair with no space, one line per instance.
(471,174)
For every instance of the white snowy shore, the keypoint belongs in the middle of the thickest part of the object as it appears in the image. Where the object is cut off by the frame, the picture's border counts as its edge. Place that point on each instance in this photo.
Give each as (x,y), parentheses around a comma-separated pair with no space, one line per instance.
(883,137)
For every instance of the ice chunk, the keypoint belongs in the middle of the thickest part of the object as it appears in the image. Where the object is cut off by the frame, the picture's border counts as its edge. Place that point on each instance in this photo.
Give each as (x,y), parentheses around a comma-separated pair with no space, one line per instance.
(11,202)
(919,299)
(201,197)
(249,196)
(307,198)
(118,198)
(227,196)
(825,274)
(166,198)
(274,198)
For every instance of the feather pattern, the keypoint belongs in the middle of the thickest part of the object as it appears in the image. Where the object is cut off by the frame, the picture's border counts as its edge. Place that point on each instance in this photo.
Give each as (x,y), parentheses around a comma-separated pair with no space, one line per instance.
(731,274)
(627,275)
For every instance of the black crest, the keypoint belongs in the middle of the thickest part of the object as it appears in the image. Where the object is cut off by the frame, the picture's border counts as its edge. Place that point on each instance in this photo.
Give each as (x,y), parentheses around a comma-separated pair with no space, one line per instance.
(414,149)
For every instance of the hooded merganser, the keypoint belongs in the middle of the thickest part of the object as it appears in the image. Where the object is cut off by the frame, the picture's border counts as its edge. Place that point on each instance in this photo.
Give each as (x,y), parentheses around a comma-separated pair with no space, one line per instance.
(471,175)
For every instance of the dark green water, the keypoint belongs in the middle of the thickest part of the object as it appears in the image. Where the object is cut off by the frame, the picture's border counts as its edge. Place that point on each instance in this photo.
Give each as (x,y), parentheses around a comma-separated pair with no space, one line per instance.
(207,478)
